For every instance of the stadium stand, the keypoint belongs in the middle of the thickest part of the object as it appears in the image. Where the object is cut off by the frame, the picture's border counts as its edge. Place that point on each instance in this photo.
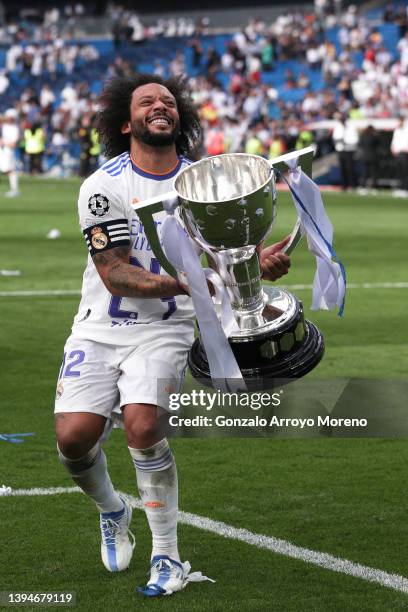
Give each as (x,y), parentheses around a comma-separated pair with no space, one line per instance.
(269,80)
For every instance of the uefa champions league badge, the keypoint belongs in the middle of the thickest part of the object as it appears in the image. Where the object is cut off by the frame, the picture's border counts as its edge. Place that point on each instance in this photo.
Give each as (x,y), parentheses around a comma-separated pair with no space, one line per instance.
(16,438)
(98,204)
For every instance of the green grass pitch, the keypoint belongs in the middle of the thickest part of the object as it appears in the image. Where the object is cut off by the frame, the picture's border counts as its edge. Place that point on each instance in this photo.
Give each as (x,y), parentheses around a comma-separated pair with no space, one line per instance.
(343,497)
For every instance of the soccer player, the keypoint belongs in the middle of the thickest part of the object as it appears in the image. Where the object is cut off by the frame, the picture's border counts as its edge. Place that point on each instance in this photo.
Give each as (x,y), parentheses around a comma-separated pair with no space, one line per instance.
(8,143)
(134,326)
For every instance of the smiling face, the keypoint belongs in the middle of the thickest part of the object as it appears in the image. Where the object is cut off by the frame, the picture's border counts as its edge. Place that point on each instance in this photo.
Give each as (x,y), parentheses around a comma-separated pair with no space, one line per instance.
(154,119)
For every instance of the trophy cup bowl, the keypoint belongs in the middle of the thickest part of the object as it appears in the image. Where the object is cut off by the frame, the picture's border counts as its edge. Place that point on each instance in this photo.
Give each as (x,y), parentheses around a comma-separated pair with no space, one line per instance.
(228,205)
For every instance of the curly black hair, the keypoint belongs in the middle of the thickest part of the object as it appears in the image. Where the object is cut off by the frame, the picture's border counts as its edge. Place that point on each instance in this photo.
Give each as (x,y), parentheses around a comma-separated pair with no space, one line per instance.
(114,104)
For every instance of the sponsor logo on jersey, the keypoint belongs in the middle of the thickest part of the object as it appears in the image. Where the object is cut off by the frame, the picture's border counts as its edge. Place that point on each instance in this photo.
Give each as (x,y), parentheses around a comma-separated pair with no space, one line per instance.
(98,204)
(125,323)
(99,240)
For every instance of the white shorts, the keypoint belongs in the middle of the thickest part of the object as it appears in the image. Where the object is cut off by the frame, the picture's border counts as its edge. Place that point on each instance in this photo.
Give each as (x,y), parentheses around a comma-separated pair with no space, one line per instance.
(100,378)
(7,159)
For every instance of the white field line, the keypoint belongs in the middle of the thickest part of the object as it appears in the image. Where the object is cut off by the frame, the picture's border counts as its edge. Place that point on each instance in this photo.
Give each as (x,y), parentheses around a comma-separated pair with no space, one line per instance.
(39,293)
(40,491)
(46,292)
(401,285)
(275,545)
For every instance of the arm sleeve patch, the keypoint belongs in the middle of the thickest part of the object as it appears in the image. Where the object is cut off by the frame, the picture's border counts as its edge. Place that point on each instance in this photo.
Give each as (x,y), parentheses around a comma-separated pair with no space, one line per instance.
(107,235)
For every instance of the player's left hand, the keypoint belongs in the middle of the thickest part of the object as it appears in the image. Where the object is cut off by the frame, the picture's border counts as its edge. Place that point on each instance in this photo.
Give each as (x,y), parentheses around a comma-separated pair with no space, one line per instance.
(275,263)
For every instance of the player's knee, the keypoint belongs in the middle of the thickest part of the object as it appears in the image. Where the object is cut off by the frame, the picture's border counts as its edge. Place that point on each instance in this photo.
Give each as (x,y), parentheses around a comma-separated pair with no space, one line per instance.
(73,447)
(73,439)
(142,431)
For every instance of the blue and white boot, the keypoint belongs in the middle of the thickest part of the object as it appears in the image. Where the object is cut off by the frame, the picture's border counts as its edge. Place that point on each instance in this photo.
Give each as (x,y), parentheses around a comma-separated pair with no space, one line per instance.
(118,541)
(168,576)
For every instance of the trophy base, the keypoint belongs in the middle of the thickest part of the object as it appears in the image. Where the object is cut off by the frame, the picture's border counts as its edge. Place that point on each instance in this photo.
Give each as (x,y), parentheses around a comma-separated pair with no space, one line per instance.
(272,353)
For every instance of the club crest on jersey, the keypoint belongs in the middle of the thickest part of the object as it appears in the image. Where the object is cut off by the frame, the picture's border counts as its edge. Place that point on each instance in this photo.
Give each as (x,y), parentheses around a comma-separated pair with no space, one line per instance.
(59,391)
(98,204)
(99,239)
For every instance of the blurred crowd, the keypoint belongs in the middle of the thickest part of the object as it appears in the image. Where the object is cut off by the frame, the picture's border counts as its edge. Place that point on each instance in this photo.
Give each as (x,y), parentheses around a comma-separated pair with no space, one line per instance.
(34,24)
(127,26)
(241,106)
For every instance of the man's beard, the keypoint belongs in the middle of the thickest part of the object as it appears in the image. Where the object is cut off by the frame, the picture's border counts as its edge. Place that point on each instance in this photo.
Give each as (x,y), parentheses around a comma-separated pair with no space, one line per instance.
(142,133)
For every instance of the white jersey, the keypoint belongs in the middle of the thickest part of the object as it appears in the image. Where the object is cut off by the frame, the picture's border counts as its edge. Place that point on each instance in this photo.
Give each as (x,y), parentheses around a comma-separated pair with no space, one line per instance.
(10,134)
(108,219)
(9,137)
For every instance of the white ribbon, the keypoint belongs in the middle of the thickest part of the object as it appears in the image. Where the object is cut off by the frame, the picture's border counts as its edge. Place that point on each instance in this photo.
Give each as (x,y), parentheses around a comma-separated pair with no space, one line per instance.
(193,576)
(329,285)
(224,369)
(221,300)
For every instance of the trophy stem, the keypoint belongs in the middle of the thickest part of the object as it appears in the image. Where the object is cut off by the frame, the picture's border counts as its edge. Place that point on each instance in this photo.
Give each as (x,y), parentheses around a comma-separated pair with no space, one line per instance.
(243,283)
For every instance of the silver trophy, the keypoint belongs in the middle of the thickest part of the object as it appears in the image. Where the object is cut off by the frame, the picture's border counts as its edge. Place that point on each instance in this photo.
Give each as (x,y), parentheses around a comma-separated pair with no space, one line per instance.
(228,205)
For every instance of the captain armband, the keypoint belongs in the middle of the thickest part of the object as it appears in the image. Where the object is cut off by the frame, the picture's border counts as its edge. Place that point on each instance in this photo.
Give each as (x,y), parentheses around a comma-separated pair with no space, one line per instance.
(107,235)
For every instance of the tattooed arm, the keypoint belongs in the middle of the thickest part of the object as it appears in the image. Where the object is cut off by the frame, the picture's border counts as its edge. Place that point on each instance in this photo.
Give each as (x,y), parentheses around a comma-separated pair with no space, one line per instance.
(124,280)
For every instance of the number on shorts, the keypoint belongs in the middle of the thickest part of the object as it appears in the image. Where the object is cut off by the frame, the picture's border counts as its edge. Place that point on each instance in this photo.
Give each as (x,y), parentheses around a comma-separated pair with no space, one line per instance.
(77,358)
(114,307)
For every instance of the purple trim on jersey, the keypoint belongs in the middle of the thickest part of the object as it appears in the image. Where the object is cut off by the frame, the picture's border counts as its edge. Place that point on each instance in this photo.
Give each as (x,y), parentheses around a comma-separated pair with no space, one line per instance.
(186,160)
(117,171)
(116,167)
(157,177)
(112,162)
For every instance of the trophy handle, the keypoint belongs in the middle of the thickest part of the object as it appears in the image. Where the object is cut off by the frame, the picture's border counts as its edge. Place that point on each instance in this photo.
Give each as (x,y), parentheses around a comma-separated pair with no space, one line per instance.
(295,238)
(305,157)
(145,212)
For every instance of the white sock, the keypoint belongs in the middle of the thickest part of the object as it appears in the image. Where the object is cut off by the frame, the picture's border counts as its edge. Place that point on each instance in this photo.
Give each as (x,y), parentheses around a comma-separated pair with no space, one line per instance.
(13,180)
(158,487)
(90,473)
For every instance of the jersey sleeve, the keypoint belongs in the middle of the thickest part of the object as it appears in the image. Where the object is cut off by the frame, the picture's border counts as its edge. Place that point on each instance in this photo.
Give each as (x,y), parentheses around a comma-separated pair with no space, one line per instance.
(102,215)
